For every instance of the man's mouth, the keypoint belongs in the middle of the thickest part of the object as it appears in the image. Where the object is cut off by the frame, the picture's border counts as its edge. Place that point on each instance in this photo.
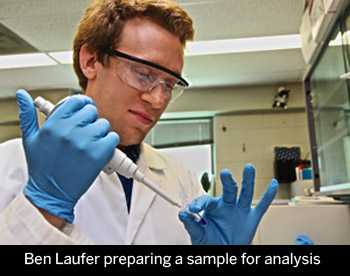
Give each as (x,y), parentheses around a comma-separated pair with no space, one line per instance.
(142,117)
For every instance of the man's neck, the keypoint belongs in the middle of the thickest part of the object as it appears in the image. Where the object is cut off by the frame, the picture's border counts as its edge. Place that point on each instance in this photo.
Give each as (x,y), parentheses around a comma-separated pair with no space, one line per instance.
(122,148)
(133,151)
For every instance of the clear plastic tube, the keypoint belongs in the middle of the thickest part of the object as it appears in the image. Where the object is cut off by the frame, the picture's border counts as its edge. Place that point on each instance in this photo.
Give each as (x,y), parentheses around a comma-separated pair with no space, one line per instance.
(197,217)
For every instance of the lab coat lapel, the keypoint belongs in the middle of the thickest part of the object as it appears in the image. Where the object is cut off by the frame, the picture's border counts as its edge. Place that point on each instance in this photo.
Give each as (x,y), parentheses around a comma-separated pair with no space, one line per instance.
(142,197)
(141,201)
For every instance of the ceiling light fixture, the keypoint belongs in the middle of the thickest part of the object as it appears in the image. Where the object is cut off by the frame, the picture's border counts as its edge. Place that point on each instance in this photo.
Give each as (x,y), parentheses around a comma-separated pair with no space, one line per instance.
(243,45)
(211,47)
(25,60)
(63,57)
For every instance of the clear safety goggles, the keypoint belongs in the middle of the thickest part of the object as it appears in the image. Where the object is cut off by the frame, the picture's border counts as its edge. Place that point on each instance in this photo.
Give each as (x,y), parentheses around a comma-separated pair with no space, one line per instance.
(144,75)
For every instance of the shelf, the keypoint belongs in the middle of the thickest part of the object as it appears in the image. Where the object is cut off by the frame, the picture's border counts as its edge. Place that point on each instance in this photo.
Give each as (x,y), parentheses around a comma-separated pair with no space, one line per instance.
(9,123)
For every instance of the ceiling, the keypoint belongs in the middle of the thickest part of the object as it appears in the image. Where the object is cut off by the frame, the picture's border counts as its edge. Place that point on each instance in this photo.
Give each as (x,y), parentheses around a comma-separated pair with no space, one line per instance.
(49,25)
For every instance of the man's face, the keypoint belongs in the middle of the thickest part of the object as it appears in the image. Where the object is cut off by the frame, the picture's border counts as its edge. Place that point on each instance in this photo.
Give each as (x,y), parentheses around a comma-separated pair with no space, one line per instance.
(132,113)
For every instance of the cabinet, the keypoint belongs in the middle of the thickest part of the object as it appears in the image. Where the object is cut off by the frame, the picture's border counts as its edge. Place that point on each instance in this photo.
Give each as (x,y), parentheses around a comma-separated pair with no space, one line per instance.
(328,106)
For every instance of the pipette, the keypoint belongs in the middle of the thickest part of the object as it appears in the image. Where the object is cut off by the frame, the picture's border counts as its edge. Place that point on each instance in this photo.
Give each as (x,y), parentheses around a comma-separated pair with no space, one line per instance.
(122,164)
(119,162)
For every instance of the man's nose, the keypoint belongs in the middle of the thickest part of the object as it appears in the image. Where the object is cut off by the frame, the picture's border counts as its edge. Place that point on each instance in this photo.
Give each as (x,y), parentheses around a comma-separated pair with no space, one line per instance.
(155,96)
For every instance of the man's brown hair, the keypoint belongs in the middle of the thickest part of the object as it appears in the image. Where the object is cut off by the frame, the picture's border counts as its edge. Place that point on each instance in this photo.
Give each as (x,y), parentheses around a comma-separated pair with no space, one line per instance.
(103,22)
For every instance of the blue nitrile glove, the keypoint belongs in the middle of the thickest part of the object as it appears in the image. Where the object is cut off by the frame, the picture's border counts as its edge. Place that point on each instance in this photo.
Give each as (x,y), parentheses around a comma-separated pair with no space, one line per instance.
(303,240)
(66,155)
(229,220)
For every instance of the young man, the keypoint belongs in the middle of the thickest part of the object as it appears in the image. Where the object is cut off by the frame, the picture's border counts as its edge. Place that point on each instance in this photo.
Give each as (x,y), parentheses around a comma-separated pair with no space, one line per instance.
(128,56)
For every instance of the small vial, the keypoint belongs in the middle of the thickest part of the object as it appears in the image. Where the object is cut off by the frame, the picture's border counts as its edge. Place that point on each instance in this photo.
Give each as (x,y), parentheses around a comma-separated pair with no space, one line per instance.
(197,217)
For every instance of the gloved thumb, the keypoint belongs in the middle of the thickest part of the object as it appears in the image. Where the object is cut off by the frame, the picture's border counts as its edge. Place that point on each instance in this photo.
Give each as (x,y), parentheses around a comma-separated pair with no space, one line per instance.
(27,115)
(194,229)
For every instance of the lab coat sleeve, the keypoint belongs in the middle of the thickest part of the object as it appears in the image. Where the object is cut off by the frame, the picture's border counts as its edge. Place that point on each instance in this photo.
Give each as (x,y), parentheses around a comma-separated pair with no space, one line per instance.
(22,224)
(20,221)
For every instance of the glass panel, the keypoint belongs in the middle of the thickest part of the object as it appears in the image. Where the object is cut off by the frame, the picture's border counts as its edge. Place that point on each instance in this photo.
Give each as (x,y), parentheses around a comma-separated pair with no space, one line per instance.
(172,133)
(330,102)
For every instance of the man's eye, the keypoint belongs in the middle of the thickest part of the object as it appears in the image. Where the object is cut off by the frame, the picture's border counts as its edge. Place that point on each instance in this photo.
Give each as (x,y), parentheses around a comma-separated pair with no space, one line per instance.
(171,83)
(169,86)
(144,76)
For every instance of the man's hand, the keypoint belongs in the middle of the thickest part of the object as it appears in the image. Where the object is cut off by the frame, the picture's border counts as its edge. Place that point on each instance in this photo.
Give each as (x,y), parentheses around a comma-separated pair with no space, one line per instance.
(66,155)
(229,220)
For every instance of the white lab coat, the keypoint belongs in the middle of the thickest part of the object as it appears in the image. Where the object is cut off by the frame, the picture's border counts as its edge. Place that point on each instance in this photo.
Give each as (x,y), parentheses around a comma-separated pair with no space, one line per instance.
(101,213)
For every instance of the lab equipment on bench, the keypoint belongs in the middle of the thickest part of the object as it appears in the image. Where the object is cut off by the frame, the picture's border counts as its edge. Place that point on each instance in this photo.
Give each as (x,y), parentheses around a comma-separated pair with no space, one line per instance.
(121,163)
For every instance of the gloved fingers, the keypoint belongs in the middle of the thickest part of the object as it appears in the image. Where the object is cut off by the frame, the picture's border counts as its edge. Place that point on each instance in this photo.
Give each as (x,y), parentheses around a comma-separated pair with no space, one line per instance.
(100,127)
(267,198)
(86,115)
(194,229)
(109,142)
(229,186)
(204,202)
(71,105)
(98,133)
(27,115)
(247,191)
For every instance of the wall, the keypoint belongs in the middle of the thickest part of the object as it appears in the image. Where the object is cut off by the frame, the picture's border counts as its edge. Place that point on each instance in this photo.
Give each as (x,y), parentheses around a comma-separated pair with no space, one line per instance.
(251,138)
(213,101)
(252,128)
(9,122)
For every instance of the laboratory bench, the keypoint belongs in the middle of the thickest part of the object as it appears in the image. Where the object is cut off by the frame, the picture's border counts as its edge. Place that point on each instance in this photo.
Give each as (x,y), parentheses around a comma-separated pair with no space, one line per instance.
(324,224)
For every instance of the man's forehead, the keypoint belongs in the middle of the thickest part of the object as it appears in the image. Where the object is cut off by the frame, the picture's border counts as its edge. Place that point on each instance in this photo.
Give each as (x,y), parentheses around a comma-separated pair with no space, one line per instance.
(148,40)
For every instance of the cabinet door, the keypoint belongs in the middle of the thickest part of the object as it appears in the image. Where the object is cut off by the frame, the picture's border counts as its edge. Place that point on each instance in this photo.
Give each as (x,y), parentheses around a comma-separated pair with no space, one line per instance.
(331,112)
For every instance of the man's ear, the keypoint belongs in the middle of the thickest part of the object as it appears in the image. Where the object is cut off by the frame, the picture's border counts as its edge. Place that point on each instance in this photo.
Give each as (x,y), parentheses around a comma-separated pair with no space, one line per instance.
(88,61)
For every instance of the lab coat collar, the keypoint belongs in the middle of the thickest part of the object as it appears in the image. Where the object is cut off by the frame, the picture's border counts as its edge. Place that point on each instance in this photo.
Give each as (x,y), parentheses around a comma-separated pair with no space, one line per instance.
(151,158)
